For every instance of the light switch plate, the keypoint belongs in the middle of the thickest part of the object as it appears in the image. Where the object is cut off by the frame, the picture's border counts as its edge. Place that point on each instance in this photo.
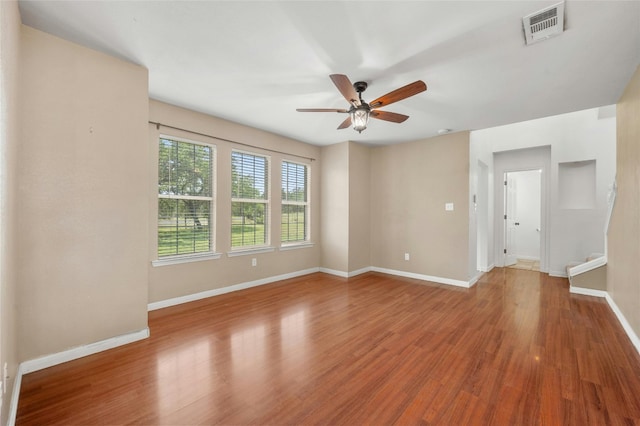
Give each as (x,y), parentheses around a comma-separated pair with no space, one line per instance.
(448,207)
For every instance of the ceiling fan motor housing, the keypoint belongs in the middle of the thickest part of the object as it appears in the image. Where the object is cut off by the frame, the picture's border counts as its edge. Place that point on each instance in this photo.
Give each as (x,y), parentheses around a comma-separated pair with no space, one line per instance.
(360,86)
(359,110)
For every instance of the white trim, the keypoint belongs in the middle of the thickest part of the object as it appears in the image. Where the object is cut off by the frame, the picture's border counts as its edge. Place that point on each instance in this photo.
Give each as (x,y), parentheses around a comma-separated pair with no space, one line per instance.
(175,260)
(245,252)
(623,321)
(557,274)
(587,266)
(47,361)
(440,280)
(218,291)
(251,200)
(294,246)
(347,274)
(475,279)
(587,291)
(359,271)
(614,307)
(181,139)
(185,197)
(15,395)
(81,351)
(334,272)
(488,268)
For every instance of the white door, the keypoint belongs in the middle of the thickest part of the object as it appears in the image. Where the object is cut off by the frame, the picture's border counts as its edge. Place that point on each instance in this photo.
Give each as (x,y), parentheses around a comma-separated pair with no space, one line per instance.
(510,219)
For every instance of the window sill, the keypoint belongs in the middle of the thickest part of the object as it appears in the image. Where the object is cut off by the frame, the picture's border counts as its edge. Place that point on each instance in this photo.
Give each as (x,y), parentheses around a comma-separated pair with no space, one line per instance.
(245,252)
(295,246)
(175,260)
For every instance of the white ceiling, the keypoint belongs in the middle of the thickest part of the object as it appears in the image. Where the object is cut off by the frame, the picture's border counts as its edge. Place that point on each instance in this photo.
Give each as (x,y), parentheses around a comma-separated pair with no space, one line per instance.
(256,62)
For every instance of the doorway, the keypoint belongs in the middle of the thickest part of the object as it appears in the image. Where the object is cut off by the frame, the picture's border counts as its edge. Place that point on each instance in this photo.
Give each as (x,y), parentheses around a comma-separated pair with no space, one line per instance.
(522,219)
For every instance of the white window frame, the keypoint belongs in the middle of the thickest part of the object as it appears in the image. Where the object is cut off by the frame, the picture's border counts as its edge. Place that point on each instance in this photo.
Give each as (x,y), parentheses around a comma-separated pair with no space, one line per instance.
(266,246)
(307,205)
(198,256)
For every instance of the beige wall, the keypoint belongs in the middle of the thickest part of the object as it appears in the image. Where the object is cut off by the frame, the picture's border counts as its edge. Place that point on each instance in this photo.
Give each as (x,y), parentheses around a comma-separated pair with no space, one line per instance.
(410,184)
(9,129)
(335,207)
(83,170)
(346,207)
(170,281)
(623,269)
(359,206)
(595,279)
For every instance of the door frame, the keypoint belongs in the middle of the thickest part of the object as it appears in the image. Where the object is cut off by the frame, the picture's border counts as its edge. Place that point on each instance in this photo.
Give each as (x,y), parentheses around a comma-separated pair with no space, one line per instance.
(482,202)
(517,161)
(509,204)
(507,190)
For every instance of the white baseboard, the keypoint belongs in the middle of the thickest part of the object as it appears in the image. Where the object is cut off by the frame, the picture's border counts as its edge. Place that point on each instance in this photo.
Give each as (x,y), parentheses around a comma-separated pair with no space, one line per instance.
(587,291)
(439,280)
(614,307)
(623,321)
(344,274)
(487,268)
(422,277)
(475,279)
(47,361)
(335,272)
(81,351)
(15,395)
(359,271)
(218,291)
(558,274)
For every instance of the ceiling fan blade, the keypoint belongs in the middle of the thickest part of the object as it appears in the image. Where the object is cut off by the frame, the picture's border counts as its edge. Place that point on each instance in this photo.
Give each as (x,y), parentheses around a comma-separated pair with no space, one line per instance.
(399,94)
(345,87)
(321,110)
(346,123)
(389,116)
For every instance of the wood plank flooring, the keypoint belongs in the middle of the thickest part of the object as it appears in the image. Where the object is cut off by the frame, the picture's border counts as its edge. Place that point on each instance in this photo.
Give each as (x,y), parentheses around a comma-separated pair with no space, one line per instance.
(517,348)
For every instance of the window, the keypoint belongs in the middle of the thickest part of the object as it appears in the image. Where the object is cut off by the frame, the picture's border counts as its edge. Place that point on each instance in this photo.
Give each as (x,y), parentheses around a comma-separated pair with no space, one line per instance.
(185,198)
(295,202)
(249,200)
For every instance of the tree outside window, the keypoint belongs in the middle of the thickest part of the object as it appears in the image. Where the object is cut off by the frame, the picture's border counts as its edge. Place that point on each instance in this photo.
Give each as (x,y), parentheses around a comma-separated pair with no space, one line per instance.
(185,198)
(250,200)
(295,202)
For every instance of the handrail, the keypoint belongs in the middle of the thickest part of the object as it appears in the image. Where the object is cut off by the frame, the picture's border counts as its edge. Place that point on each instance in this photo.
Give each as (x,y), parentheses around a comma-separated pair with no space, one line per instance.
(587,266)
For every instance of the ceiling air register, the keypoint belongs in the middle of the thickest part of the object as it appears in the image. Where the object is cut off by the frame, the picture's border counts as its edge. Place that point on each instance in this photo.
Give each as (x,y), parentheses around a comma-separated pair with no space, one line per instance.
(546,23)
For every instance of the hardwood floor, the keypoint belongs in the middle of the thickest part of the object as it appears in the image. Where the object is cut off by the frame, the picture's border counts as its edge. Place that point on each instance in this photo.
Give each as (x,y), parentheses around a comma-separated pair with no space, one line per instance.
(517,348)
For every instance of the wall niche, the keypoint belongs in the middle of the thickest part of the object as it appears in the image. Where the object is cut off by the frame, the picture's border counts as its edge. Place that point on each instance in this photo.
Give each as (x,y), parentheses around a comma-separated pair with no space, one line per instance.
(577,185)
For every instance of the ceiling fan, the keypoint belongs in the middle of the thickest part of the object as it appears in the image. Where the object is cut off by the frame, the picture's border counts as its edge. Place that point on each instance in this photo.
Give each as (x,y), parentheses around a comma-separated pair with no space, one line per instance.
(360,111)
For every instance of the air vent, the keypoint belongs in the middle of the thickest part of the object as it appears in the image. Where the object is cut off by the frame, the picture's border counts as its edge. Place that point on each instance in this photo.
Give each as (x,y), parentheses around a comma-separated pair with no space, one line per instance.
(543,24)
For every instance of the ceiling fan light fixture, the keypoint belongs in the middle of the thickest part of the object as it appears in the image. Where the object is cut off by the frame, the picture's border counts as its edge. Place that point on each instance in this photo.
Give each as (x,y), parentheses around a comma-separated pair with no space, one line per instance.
(360,111)
(359,118)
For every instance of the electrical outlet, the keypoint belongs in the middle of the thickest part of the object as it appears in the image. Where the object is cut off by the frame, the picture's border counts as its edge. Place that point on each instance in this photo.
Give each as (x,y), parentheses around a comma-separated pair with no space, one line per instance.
(254,262)
(407,256)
